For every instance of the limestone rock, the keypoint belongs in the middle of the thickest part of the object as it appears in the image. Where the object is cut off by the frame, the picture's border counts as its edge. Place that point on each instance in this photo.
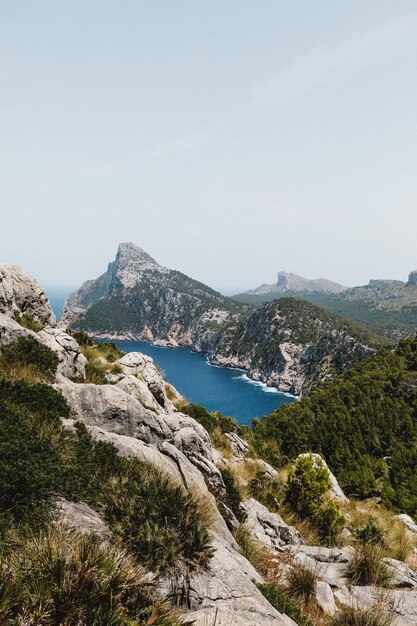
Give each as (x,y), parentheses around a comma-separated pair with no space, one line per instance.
(269,528)
(22,294)
(322,554)
(227,592)
(111,408)
(79,516)
(325,598)
(335,489)
(144,368)
(11,330)
(408,522)
(401,574)
(239,446)
(71,361)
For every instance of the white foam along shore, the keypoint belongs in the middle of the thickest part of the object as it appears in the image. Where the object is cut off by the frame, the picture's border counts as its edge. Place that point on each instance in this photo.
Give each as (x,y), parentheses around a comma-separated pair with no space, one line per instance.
(266,388)
(258,383)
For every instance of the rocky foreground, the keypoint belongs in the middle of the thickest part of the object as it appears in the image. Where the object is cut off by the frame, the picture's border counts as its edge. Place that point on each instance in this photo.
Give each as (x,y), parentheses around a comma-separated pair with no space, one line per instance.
(135,410)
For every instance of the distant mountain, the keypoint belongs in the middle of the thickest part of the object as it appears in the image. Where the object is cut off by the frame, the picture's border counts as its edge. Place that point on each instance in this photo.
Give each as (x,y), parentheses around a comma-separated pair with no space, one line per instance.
(289,282)
(387,306)
(291,345)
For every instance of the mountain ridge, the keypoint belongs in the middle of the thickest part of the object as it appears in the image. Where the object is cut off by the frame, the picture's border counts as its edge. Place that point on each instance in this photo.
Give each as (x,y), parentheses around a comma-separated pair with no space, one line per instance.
(136,298)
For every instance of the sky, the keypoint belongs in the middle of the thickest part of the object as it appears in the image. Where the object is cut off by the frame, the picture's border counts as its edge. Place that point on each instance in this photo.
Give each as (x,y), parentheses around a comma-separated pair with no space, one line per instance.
(230,139)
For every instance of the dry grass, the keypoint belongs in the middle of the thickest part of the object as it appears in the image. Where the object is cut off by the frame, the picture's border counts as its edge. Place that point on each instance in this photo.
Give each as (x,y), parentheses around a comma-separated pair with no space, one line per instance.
(221,443)
(30,374)
(367,567)
(301,584)
(361,617)
(252,549)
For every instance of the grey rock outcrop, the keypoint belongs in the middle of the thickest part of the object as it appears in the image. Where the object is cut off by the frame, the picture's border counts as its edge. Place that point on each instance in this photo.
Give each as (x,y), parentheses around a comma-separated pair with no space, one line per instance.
(412,278)
(10,330)
(115,410)
(22,294)
(228,594)
(269,528)
(71,362)
(81,517)
(408,522)
(293,283)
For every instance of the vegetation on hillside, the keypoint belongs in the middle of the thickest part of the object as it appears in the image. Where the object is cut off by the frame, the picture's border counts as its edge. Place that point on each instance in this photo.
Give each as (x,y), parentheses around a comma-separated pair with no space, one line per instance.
(364,423)
(40,461)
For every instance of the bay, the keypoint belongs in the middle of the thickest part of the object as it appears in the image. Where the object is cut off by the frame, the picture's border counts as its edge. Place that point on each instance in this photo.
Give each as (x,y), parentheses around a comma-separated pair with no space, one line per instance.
(222,389)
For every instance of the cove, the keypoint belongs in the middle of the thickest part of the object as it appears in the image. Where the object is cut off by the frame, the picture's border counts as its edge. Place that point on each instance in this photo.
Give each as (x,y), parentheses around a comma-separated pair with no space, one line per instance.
(222,389)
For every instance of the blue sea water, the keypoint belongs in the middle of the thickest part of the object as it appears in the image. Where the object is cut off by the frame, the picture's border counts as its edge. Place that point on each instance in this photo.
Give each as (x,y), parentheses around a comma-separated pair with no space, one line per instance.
(217,388)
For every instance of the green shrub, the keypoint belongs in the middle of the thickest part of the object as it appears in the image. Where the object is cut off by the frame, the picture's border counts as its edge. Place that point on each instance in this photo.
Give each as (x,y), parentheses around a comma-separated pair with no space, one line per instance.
(308,481)
(305,495)
(28,351)
(265,489)
(370,534)
(367,567)
(233,499)
(302,583)
(59,578)
(283,603)
(28,322)
(157,521)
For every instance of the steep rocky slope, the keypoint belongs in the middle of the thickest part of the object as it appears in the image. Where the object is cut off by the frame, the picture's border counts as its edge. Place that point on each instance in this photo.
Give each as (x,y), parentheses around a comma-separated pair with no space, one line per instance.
(137,298)
(137,412)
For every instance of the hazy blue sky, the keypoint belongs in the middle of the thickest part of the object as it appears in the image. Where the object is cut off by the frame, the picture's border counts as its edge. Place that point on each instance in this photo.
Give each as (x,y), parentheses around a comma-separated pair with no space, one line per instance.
(229,138)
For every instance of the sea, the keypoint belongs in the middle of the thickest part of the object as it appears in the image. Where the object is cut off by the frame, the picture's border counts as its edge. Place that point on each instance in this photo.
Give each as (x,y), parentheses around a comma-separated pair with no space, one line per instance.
(223,389)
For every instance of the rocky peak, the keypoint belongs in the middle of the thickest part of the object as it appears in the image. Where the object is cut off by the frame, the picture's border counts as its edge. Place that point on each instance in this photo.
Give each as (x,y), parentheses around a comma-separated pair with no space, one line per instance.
(130,264)
(21,294)
(412,278)
(128,253)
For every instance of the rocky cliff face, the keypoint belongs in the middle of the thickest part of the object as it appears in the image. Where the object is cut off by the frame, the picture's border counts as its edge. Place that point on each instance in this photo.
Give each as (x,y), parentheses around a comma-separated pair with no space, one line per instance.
(20,294)
(290,345)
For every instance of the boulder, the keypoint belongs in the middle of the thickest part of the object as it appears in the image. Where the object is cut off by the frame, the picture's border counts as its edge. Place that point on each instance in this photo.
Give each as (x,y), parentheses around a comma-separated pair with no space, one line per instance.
(408,522)
(269,528)
(79,516)
(322,554)
(144,368)
(11,330)
(325,598)
(71,361)
(401,574)
(21,294)
(239,446)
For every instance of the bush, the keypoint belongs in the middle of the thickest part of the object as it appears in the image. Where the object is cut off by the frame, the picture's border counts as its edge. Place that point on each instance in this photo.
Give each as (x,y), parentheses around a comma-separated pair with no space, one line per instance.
(301,584)
(361,617)
(29,352)
(305,495)
(61,578)
(308,481)
(283,603)
(157,521)
(233,499)
(367,567)
(28,322)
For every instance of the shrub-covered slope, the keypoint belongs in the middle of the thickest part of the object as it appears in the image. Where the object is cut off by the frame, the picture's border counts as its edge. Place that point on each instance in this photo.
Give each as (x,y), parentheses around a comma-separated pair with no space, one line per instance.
(365,425)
